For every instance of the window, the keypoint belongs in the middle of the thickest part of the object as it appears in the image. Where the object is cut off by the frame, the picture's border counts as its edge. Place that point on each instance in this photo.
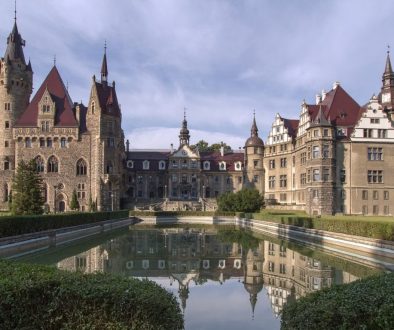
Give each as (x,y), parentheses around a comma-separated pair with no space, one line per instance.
(315,193)
(315,152)
(238,166)
(375,195)
(374,120)
(271,182)
(283,197)
(130,164)
(6,144)
(303,179)
(365,195)
(39,164)
(63,142)
(53,165)
(316,174)
(255,163)
(184,163)
(283,181)
(42,143)
(365,209)
(207,165)
(282,268)
(272,164)
(174,178)
(49,143)
(46,108)
(382,133)
(271,266)
(375,210)
(386,195)
(109,168)
(325,132)
(240,179)
(375,176)
(140,179)
(193,163)
(368,132)
(27,143)
(326,174)
(162,165)
(7,106)
(6,165)
(81,167)
(303,158)
(7,124)
(386,210)
(315,133)
(375,153)
(222,166)
(342,175)
(283,162)
(174,163)
(110,142)
(256,178)
(145,165)
(326,151)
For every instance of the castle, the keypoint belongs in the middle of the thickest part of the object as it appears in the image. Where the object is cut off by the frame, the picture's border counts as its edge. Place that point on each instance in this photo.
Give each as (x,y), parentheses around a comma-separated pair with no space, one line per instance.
(335,158)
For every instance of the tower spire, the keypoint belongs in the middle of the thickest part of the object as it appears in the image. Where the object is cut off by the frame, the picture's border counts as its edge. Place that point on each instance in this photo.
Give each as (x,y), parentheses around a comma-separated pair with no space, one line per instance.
(15,43)
(254,130)
(184,135)
(15,11)
(104,67)
(388,69)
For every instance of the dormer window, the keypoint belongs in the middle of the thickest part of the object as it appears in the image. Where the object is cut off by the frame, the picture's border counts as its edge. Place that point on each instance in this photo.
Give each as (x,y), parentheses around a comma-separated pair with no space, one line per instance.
(238,166)
(207,165)
(145,165)
(222,166)
(130,164)
(162,165)
(46,108)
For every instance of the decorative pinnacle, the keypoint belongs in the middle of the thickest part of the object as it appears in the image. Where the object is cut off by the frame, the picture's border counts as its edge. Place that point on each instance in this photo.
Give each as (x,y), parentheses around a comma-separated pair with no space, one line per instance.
(15,11)
(105,46)
(184,113)
(388,49)
(54,60)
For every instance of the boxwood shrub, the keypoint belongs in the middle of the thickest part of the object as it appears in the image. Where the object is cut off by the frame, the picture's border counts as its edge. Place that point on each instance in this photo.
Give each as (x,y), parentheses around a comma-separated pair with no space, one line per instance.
(18,225)
(180,213)
(363,304)
(42,297)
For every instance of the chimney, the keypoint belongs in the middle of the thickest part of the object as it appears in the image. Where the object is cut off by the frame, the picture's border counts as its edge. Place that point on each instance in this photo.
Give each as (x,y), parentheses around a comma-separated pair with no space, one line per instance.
(78,113)
(323,94)
(335,85)
(172,148)
(221,149)
(127,146)
(318,99)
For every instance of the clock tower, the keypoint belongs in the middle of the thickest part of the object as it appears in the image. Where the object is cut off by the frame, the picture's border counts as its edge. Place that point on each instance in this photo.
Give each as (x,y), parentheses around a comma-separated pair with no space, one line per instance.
(387,94)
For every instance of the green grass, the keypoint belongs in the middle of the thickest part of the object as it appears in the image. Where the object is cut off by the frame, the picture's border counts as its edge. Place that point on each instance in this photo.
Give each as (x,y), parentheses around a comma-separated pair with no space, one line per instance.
(373,227)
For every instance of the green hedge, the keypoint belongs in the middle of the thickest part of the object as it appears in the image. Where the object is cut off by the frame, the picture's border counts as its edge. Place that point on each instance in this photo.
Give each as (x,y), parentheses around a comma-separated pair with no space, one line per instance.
(180,213)
(360,227)
(42,297)
(17,225)
(364,304)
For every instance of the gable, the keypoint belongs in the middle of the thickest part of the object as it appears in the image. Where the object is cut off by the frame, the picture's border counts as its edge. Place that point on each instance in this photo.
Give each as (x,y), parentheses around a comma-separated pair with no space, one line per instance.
(185,152)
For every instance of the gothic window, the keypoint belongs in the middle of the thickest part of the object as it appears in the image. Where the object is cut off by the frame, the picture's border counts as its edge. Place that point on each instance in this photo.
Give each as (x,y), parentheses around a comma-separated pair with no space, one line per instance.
(27,143)
(63,142)
(39,164)
(109,168)
(53,165)
(81,167)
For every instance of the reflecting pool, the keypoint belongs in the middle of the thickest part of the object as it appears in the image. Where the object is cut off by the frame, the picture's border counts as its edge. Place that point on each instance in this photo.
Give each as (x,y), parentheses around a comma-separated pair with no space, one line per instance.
(223,278)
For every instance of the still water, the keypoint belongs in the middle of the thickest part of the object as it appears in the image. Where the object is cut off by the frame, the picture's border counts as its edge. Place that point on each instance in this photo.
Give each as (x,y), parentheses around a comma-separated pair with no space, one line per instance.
(223,278)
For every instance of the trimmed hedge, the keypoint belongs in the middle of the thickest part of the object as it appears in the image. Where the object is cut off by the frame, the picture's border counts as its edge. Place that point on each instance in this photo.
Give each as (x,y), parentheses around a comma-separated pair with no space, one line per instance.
(363,304)
(180,213)
(367,228)
(24,224)
(42,297)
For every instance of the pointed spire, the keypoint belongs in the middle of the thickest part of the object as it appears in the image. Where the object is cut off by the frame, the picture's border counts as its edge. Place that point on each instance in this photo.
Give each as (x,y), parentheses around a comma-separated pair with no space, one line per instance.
(184,135)
(15,11)
(388,69)
(254,130)
(104,68)
(15,43)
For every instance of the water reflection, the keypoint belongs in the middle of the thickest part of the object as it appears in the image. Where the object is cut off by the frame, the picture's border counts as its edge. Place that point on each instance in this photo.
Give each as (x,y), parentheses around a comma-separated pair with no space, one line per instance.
(192,257)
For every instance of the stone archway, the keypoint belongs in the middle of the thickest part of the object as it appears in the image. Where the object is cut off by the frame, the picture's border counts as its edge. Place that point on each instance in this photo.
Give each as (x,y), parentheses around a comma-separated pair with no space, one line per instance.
(61,204)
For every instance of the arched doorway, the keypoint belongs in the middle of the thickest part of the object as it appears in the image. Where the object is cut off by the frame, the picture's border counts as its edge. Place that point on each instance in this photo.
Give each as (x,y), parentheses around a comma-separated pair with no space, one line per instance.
(61,205)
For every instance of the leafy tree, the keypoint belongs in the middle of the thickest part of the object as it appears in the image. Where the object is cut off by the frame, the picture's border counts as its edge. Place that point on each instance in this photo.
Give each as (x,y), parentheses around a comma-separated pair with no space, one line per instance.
(245,200)
(74,205)
(27,190)
(204,146)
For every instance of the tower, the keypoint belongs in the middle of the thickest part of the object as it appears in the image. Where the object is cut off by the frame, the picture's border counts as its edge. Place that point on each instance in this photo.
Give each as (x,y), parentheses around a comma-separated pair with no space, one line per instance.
(184,135)
(254,154)
(387,91)
(16,80)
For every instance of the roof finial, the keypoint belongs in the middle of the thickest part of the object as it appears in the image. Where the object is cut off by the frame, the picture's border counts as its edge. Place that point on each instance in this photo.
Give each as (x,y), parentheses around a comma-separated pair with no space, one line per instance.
(15,11)
(105,46)
(254,113)
(54,60)
(388,49)
(184,113)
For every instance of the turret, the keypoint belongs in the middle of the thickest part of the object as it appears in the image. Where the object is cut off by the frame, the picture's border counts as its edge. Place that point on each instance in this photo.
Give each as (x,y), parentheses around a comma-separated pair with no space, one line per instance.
(184,136)
(387,92)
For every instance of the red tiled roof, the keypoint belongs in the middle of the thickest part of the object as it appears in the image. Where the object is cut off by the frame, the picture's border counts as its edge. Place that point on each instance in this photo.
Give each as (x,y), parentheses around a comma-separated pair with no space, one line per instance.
(108,99)
(291,125)
(64,115)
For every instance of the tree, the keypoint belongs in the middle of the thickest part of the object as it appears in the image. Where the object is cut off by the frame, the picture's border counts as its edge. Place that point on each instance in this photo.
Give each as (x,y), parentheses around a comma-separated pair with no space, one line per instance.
(74,205)
(245,200)
(27,190)
(201,145)
(204,146)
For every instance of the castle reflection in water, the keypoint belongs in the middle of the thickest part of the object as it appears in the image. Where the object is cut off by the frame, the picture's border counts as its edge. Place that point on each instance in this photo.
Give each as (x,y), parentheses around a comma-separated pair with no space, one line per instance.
(199,255)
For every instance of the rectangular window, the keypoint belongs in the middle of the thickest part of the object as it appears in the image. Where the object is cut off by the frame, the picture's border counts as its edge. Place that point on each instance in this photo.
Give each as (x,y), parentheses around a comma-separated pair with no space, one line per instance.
(365,195)
(375,210)
(271,182)
(256,178)
(326,151)
(375,153)
(386,210)
(315,193)
(303,179)
(325,132)
(6,144)
(7,106)
(283,162)
(375,195)
(174,178)
(240,179)
(315,152)
(326,174)
(7,124)
(271,266)
(386,195)
(255,163)
(272,164)
(283,197)
(42,143)
(316,174)
(365,209)
(283,181)
(342,175)
(303,158)
(374,120)
(382,133)
(375,176)
(282,268)
(6,165)
(368,132)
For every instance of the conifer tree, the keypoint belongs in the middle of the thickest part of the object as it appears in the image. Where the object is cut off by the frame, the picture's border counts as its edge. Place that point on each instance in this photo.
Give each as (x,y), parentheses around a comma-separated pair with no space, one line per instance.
(74,205)
(27,190)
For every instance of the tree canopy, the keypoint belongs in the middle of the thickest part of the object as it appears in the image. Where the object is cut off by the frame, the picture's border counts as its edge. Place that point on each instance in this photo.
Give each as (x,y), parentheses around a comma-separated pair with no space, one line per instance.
(245,200)
(204,146)
(74,205)
(27,190)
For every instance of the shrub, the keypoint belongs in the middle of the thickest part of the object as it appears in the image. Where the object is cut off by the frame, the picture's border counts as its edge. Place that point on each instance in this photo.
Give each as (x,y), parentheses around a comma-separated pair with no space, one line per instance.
(180,213)
(23,224)
(245,200)
(42,297)
(363,304)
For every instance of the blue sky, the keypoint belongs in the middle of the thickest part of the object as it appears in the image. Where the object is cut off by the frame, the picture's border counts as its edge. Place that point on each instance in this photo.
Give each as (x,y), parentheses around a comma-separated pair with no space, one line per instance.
(219,59)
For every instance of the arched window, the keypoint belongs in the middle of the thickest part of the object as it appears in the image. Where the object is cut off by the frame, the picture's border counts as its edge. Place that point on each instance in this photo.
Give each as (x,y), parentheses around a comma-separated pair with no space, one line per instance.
(39,164)
(82,168)
(53,165)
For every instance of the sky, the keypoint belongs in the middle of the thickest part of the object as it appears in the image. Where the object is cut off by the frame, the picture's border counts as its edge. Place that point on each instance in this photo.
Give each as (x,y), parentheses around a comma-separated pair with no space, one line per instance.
(219,59)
